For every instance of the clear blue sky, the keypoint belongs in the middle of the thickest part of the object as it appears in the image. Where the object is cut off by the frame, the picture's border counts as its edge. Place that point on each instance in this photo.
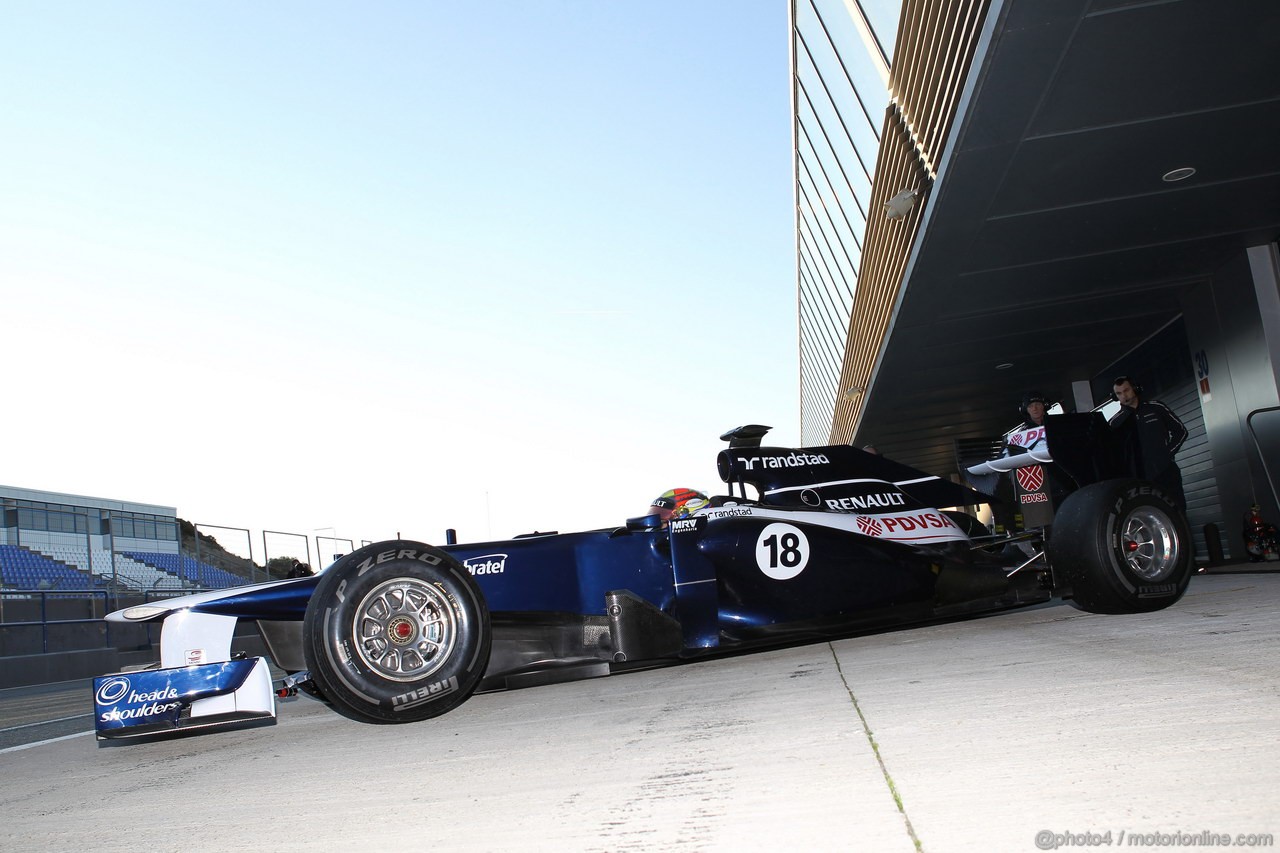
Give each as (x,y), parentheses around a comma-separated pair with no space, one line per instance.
(393,266)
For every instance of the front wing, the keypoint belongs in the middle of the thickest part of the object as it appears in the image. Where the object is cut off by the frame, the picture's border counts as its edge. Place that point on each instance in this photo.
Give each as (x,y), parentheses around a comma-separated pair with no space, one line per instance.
(161,701)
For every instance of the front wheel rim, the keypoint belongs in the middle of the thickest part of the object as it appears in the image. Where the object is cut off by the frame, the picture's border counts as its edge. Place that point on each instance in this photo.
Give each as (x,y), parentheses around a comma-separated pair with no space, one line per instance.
(1149,544)
(404,629)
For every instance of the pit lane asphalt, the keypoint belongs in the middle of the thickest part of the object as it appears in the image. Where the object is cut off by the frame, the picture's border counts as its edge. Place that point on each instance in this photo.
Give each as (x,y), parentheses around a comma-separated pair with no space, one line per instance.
(973,735)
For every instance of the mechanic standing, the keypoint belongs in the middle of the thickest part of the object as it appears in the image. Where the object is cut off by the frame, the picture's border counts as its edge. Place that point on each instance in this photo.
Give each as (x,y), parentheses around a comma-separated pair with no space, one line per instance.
(1034,408)
(1150,434)
(1026,436)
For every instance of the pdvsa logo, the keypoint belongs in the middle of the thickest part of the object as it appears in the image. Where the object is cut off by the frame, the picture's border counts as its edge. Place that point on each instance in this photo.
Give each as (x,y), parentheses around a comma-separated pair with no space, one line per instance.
(1031,478)
(112,690)
(1026,438)
(919,522)
(488,564)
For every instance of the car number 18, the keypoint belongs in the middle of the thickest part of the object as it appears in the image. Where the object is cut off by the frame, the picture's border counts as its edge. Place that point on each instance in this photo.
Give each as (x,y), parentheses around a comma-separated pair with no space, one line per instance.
(782,551)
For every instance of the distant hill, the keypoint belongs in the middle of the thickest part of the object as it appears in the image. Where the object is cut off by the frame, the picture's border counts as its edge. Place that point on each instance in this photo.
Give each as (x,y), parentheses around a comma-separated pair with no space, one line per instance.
(209,551)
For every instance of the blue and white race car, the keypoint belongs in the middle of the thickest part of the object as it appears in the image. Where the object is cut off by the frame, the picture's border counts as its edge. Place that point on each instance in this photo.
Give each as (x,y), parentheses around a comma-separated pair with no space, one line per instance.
(806,544)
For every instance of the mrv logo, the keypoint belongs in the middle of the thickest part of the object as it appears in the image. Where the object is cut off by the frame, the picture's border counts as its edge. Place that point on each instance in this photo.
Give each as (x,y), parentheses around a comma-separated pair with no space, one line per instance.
(794,460)
(489,564)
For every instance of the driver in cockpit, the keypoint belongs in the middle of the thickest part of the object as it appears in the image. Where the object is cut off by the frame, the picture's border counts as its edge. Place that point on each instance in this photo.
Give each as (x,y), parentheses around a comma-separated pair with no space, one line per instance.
(676,504)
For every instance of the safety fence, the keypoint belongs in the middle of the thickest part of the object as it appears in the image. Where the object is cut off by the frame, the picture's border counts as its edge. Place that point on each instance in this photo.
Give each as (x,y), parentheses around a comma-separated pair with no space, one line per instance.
(34,621)
(63,568)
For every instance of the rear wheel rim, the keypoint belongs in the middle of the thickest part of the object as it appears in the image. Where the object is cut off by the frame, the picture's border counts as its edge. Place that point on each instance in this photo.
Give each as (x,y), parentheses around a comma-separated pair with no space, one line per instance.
(404,629)
(1149,544)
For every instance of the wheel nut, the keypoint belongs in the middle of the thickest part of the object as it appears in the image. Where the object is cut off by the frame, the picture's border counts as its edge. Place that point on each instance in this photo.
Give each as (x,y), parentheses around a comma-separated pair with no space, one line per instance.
(400,631)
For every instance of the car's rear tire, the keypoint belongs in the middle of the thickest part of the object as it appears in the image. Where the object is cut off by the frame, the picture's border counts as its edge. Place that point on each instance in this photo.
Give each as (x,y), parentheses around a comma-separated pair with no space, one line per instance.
(396,632)
(1122,547)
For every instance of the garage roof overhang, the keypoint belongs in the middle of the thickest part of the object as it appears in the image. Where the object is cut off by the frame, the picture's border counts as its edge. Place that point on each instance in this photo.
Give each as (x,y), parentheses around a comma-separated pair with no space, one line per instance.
(1051,239)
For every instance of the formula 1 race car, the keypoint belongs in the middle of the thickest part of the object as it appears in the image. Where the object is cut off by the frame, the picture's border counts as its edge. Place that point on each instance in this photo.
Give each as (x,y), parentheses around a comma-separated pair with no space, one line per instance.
(808,544)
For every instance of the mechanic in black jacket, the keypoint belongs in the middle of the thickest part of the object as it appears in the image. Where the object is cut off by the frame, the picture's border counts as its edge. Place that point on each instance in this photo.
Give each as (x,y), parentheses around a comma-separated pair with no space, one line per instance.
(1149,435)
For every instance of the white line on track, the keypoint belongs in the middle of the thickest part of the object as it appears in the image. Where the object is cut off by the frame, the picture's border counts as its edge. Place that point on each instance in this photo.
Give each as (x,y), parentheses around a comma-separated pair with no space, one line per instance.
(45,722)
(43,742)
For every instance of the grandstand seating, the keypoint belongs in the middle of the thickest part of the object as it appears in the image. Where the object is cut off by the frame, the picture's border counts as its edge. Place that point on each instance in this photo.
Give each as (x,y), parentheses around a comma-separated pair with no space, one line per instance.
(22,568)
(132,573)
(188,569)
(127,572)
(68,568)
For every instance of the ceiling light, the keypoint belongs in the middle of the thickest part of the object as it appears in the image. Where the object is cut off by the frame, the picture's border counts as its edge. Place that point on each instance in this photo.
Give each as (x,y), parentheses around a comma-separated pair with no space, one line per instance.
(900,205)
(1004,365)
(1179,174)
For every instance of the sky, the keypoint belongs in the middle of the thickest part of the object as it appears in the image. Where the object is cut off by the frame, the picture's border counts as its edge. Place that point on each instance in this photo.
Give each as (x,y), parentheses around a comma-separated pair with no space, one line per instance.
(387,268)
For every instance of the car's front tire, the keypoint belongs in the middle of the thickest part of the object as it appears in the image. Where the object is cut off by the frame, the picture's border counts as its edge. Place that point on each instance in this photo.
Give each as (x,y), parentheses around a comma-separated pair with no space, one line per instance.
(396,632)
(1122,547)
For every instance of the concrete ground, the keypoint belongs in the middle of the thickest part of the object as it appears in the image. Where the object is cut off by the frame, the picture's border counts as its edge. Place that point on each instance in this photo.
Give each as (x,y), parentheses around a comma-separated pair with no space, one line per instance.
(1038,729)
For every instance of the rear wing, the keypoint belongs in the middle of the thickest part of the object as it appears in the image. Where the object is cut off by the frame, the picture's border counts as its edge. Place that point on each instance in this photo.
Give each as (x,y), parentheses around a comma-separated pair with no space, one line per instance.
(1081,444)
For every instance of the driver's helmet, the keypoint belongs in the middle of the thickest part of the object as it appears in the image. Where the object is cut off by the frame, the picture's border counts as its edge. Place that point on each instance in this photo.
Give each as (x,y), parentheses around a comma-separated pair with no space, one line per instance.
(678,503)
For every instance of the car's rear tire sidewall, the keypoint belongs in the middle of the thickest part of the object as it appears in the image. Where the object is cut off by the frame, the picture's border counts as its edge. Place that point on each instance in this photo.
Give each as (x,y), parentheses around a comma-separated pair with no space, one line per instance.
(396,632)
(1121,546)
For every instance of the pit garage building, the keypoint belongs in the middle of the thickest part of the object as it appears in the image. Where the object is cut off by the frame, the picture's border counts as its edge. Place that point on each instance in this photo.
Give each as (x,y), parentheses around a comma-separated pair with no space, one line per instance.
(994,196)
